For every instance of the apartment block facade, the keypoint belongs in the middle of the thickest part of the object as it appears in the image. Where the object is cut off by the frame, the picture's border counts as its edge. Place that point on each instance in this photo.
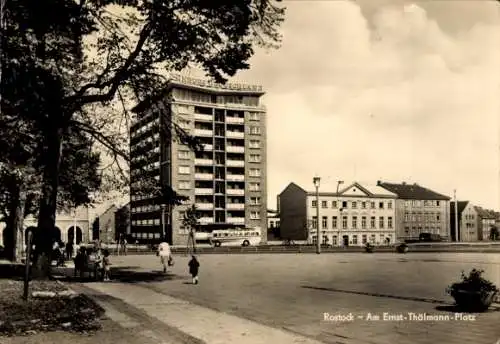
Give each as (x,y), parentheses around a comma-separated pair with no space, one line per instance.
(419,210)
(226,180)
(356,215)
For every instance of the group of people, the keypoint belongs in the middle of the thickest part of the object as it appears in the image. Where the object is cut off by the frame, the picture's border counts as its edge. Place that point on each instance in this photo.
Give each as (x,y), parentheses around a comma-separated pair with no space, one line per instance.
(63,252)
(93,260)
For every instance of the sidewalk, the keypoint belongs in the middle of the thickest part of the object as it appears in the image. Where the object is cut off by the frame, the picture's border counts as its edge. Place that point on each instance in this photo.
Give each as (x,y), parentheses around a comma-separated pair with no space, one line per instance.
(135,307)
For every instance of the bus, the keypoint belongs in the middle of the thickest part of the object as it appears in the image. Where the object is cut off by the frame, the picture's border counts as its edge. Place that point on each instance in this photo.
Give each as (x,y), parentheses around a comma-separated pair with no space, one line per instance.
(236,237)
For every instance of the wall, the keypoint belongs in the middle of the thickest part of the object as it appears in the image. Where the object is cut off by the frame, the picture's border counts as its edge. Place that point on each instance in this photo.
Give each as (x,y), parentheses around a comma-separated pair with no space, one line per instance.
(293,213)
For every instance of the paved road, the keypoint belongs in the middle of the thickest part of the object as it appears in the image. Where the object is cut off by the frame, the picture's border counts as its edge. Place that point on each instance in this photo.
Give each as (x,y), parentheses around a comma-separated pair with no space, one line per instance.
(294,291)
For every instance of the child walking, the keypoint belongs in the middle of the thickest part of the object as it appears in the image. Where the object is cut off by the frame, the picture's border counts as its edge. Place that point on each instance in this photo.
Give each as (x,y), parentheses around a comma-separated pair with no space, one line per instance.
(194,267)
(107,265)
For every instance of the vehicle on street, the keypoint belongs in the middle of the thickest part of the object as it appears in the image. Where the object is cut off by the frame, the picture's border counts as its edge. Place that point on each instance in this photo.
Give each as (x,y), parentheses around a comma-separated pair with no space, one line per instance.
(236,237)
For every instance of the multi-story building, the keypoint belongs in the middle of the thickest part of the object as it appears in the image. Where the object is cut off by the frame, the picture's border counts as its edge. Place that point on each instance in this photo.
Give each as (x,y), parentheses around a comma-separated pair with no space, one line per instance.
(226,181)
(468,221)
(419,210)
(354,216)
(486,221)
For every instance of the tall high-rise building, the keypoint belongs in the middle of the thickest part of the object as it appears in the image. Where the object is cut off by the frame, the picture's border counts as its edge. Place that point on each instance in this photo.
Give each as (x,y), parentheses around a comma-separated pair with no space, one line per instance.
(226,180)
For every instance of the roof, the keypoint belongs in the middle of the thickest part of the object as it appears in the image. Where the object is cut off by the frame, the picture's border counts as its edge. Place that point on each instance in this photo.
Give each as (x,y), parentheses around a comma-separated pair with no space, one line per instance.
(413,191)
(485,213)
(358,189)
(461,206)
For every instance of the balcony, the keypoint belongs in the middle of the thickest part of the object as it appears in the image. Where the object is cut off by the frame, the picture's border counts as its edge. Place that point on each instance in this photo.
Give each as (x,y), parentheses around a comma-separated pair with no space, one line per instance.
(208,147)
(234,134)
(235,178)
(204,132)
(235,163)
(236,220)
(202,117)
(203,191)
(235,120)
(235,192)
(204,176)
(235,206)
(204,206)
(204,162)
(235,149)
(206,220)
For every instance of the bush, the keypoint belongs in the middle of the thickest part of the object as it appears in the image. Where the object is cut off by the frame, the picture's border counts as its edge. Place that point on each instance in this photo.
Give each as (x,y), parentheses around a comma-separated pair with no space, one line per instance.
(474,282)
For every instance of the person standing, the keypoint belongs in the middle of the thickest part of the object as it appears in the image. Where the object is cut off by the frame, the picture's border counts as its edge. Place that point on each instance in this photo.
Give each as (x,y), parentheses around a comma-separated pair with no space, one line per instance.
(165,255)
(69,251)
(194,267)
(107,265)
(125,246)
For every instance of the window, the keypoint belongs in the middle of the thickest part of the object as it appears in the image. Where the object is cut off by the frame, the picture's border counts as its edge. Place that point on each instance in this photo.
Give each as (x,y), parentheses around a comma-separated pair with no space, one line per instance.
(255,215)
(407,217)
(334,222)
(255,200)
(324,241)
(381,222)
(344,222)
(437,217)
(183,154)
(381,205)
(372,238)
(354,239)
(184,124)
(389,222)
(334,204)
(184,185)
(363,239)
(183,169)
(354,222)
(253,116)
(324,222)
(254,187)
(363,205)
(314,204)
(314,222)
(363,222)
(354,205)
(254,172)
(372,222)
(254,158)
(389,205)
(372,205)
(344,204)
(324,204)
(255,130)
(254,144)
(437,203)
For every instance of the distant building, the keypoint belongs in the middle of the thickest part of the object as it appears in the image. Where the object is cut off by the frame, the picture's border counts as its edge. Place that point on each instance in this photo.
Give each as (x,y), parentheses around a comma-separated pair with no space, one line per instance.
(273,225)
(122,222)
(468,221)
(354,216)
(419,210)
(487,220)
(107,225)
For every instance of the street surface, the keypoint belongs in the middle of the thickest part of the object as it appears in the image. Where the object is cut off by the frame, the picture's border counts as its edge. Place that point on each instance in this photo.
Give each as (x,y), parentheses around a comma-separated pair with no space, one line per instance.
(293,292)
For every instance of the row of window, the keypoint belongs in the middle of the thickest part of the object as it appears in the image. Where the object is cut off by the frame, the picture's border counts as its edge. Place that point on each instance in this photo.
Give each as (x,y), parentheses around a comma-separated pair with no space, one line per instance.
(354,222)
(185,185)
(469,216)
(354,204)
(353,240)
(416,231)
(422,217)
(419,203)
(146,235)
(199,97)
(146,127)
(146,222)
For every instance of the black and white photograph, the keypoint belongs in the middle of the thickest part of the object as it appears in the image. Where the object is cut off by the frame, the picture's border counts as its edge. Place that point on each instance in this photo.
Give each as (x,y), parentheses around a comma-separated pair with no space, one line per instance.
(250,172)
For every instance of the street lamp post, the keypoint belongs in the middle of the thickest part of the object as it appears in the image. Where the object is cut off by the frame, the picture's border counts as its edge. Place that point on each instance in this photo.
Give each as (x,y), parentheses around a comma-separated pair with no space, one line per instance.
(164,236)
(337,194)
(316,181)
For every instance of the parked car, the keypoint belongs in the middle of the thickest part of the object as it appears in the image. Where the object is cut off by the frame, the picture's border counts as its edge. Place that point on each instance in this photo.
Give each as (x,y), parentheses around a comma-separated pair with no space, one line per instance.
(429,237)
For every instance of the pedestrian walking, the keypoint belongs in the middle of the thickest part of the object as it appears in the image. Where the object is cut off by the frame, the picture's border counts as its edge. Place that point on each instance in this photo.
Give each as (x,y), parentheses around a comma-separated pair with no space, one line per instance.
(125,246)
(194,267)
(69,251)
(165,255)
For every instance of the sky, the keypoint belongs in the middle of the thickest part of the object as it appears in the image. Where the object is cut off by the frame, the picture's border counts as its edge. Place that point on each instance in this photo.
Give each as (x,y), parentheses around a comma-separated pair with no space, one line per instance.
(387,90)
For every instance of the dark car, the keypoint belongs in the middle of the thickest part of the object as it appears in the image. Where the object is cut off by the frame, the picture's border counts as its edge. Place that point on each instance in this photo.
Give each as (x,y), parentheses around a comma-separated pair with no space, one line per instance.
(429,237)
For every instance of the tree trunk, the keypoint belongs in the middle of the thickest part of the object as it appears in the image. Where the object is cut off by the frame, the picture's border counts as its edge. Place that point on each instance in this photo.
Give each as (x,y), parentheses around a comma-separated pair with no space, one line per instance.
(47,213)
(15,221)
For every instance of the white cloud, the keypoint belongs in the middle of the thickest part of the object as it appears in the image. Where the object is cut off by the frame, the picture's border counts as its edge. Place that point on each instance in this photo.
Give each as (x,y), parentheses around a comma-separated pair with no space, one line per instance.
(396,92)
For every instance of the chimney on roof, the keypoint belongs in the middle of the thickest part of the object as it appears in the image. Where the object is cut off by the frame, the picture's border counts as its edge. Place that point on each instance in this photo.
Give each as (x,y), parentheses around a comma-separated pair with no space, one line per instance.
(379,182)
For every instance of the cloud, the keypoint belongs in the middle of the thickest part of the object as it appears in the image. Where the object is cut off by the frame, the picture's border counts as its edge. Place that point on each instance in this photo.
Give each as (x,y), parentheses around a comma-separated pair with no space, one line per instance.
(398,91)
